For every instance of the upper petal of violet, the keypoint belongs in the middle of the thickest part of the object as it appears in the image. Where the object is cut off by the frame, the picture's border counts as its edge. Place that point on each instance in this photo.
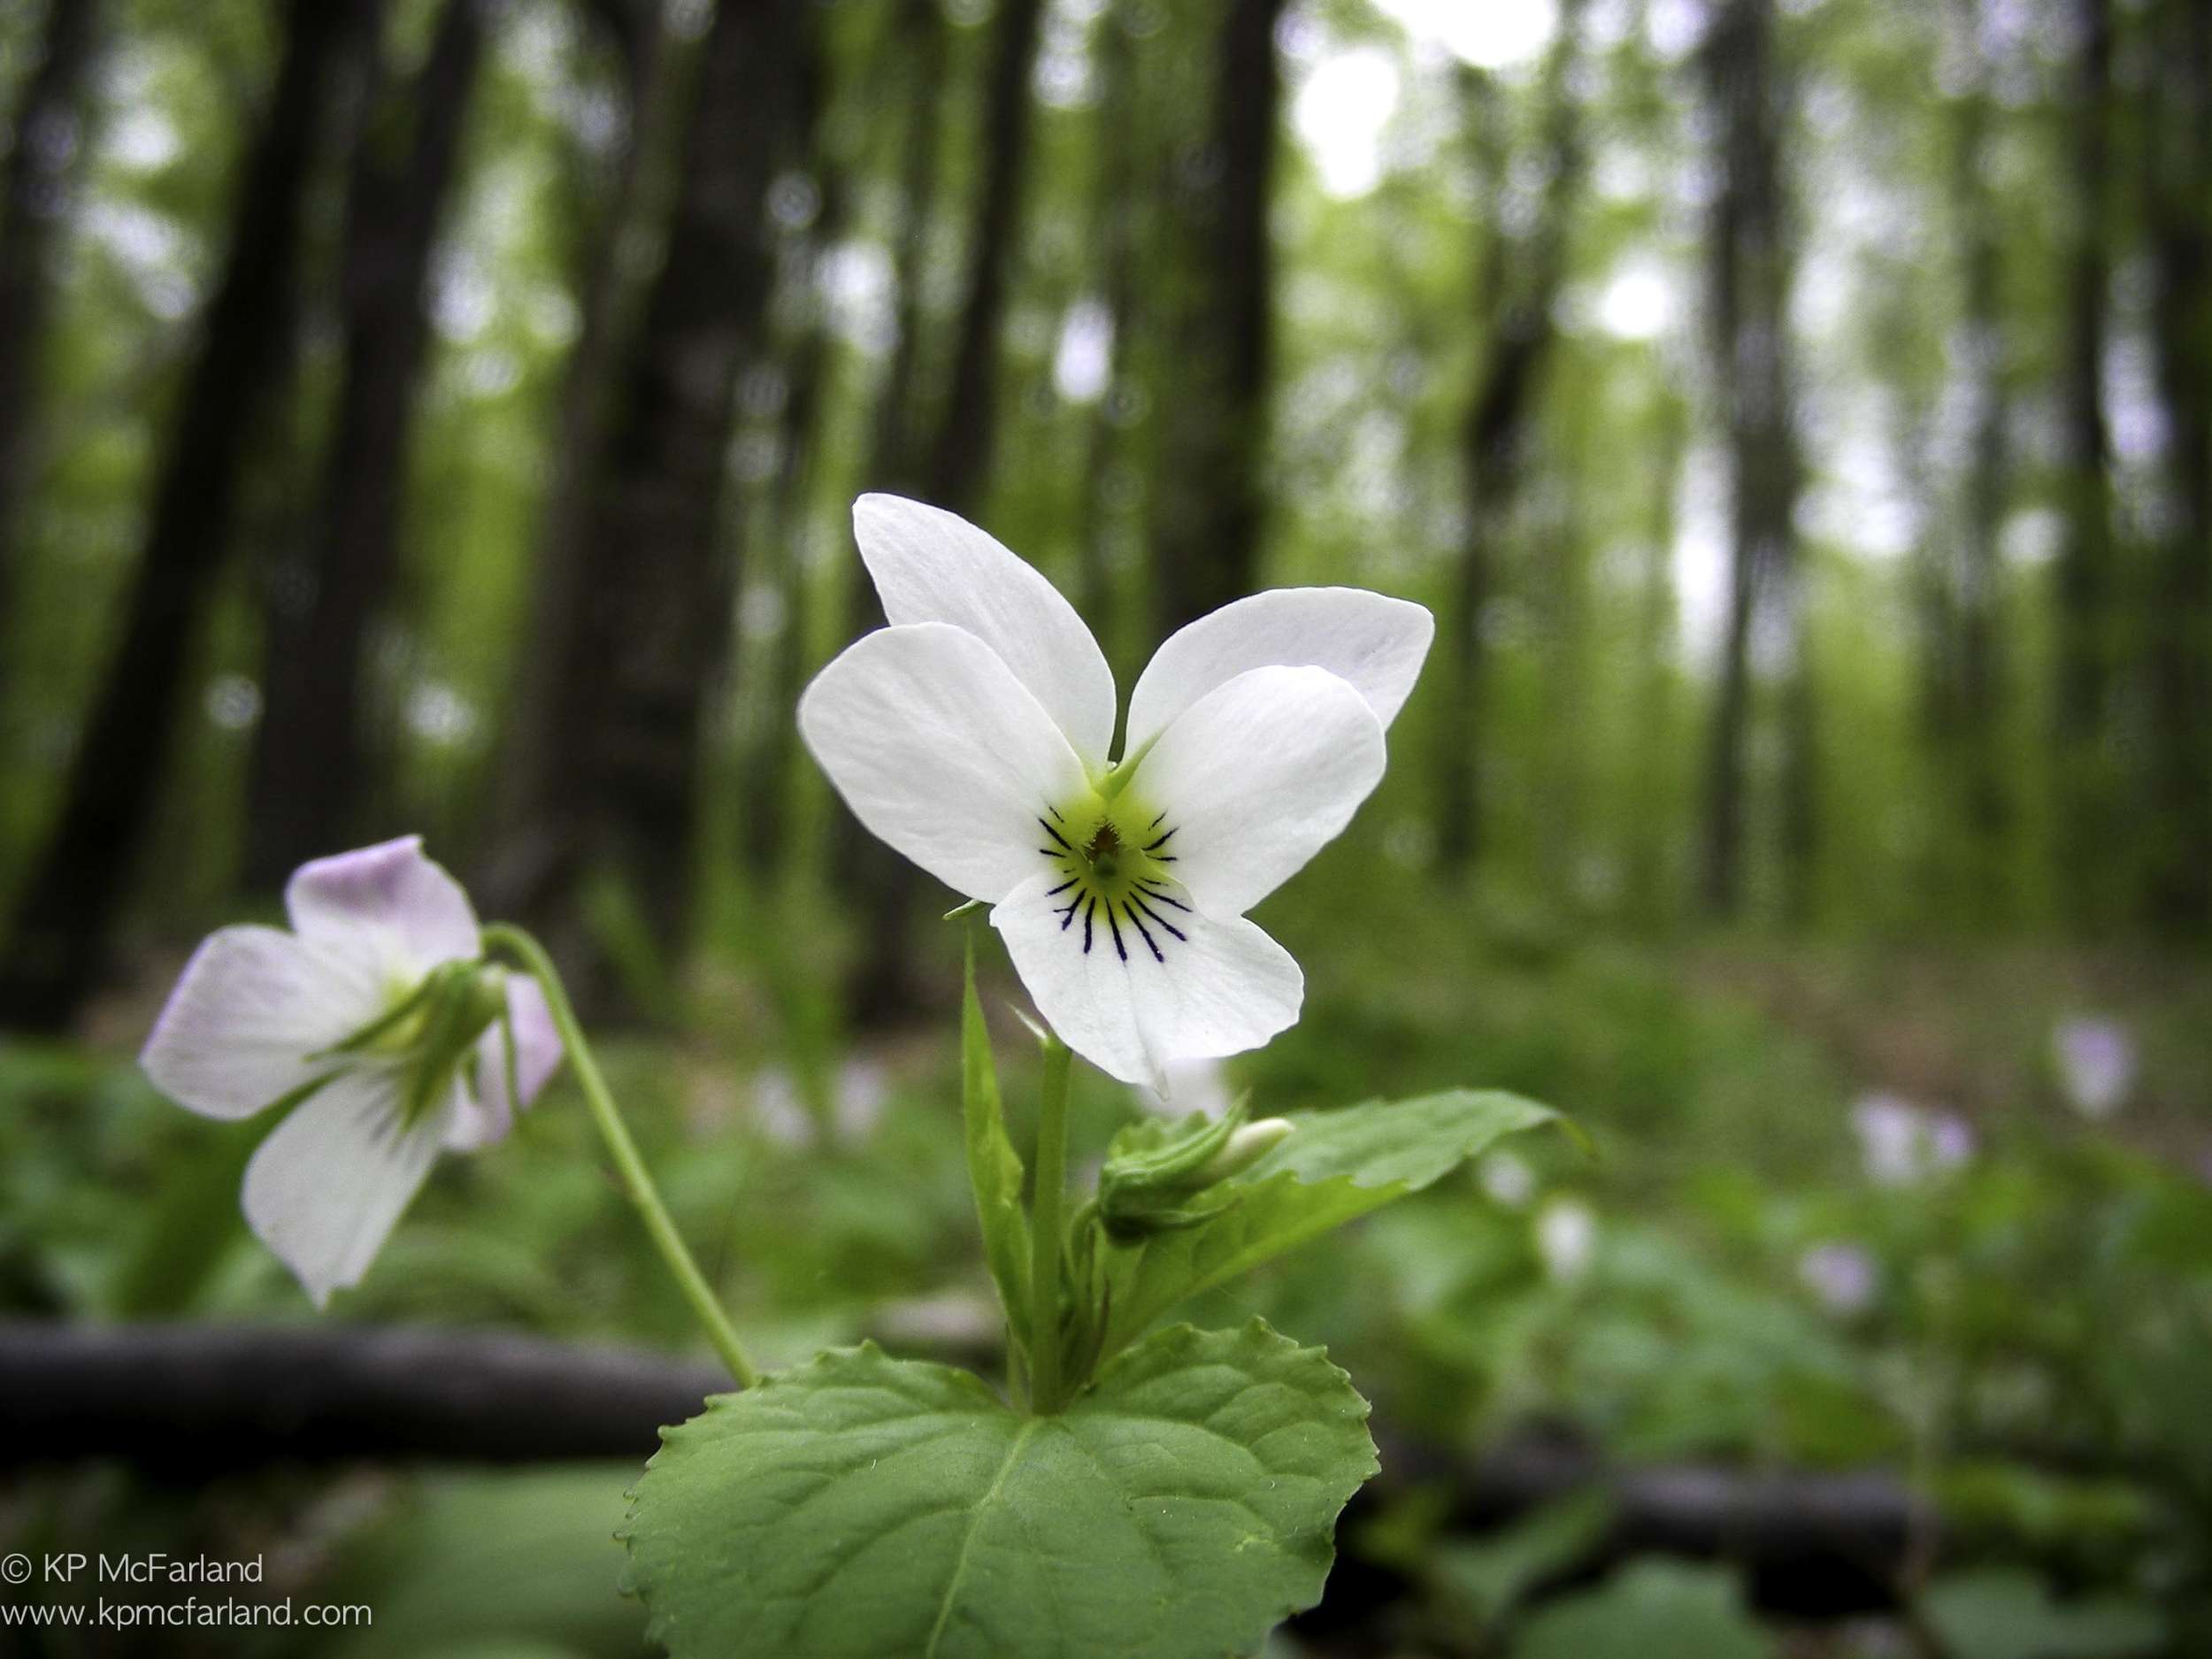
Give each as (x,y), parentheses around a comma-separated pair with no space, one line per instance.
(391,893)
(942,752)
(930,565)
(1375,643)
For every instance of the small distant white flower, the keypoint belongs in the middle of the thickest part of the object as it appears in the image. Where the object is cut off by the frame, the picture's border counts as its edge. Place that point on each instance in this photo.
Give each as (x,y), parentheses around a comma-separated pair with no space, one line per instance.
(1841,1275)
(864,1089)
(1507,1179)
(973,733)
(2096,1064)
(376,1023)
(1567,1238)
(780,1111)
(1902,1145)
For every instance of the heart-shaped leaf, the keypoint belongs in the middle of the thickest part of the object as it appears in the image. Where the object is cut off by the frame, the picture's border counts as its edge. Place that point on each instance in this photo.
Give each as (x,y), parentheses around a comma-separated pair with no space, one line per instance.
(861,1506)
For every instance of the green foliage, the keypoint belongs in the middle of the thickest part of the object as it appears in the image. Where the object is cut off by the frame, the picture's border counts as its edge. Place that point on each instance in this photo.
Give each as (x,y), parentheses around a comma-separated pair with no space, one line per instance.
(1651,1610)
(862,1505)
(2008,1613)
(995,1169)
(1333,1167)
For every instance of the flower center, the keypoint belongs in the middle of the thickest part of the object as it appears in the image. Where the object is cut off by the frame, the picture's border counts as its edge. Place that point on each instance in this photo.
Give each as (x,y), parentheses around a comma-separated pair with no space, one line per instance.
(1116,887)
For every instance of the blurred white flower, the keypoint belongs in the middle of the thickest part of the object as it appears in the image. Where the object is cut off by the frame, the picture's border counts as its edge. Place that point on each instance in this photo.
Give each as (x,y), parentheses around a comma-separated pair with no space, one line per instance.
(378,1029)
(1841,1275)
(863,1087)
(1902,1145)
(778,1111)
(2096,1064)
(1567,1238)
(1507,1180)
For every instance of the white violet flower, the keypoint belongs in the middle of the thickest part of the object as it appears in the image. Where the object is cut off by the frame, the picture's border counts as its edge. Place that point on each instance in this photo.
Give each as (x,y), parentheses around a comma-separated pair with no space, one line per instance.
(2096,1064)
(973,735)
(376,1021)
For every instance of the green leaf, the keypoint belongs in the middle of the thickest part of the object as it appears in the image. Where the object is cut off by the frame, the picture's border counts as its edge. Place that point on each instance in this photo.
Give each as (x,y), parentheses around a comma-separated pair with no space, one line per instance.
(1653,1610)
(2007,1613)
(1334,1167)
(995,1169)
(861,1506)
(1487,1579)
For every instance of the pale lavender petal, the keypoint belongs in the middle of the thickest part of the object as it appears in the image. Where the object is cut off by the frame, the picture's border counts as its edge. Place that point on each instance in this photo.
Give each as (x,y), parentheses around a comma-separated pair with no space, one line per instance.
(2096,1064)
(484,1117)
(390,891)
(249,1009)
(325,1190)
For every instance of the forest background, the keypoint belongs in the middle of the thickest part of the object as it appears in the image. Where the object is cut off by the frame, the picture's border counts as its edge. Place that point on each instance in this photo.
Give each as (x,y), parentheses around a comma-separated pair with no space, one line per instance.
(443,416)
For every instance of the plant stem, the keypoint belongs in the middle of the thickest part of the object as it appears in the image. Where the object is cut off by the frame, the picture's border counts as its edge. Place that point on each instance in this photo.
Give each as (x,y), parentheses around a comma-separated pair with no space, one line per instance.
(622,1149)
(1046,1231)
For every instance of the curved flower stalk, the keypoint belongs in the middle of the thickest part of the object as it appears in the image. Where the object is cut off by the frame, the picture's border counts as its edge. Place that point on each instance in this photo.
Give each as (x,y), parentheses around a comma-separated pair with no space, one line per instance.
(377,1022)
(974,736)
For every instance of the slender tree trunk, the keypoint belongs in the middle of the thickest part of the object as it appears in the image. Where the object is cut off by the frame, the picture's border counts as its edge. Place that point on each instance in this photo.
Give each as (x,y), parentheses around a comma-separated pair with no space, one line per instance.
(765,820)
(1518,295)
(1114,231)
(1984,809)
(955,453)
(314,758)
(894,461)
(36,187)
(2181,620)
(2085,607)
(1208,504)
(60,937)
(967,426)
(528,852)
(1749,254)
(880,883)
(650,641)
(1656,636)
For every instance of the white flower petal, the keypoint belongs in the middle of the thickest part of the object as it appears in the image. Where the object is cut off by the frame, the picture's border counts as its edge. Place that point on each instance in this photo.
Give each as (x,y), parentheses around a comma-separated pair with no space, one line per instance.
(1222,989)
(1256,777)
(326,1188)
(1375,641)
(250,1007)
(930,565)
(942,752)
(391,891)
(484,1116)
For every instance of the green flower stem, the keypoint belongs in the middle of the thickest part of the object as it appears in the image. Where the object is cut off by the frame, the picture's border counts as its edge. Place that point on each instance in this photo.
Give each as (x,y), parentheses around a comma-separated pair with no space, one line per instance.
(643,1193)
(1046,1230)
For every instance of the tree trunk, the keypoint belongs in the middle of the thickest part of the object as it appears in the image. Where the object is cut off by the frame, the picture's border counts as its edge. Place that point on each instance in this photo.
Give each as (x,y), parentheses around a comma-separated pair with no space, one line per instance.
(651,639)
(955,453)
(527,852)
(1208,504)
(961,450)
(314,758)
(2181,617)
(1749,272)
(1114,230)
(2085,609)
(78,883)
(36,189)
(1979,774)
(764,813)
(1518,294)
